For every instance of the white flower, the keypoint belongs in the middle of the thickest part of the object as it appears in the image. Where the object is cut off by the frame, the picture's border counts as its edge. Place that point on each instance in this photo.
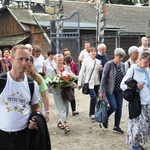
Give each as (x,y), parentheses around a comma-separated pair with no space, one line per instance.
(47,80)
(64,73)
(68,73)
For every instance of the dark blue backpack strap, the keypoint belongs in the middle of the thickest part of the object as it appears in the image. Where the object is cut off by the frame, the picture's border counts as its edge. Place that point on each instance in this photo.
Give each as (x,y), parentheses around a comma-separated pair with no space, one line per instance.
(31,86)
(3,80)
(129,65)
(133,73)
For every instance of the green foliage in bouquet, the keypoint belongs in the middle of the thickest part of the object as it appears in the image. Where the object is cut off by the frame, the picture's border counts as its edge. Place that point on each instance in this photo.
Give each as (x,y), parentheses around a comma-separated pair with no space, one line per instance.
(61,80)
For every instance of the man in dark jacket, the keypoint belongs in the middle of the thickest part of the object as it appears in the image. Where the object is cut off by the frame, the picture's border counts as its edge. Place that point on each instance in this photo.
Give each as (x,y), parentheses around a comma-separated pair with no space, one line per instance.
(102,56)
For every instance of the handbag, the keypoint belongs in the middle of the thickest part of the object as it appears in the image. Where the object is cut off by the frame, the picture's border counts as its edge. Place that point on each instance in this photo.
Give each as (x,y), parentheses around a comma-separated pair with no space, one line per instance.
(101,111)
(85,87)
(67,94)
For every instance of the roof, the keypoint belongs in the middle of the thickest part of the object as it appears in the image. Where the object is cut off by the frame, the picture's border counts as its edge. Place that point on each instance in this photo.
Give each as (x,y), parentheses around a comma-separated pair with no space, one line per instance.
(86,10)
(131,18)
(67,25)
(25,15)
(86,17)
(128,18)
(11,41)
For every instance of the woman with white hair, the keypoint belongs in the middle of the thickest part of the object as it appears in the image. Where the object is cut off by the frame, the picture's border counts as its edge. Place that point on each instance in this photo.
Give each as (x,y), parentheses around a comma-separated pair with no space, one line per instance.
(112,75)
(61,104)
(133,52)
(138,132)
(29,47)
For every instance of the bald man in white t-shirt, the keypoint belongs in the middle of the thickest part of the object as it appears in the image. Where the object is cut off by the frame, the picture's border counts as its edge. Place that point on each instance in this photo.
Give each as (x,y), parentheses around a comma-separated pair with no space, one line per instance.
(84,53)
(144,45)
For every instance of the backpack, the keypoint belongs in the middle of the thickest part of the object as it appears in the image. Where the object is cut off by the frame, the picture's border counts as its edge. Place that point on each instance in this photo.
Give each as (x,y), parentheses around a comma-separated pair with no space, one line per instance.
(3,79)
(129,64)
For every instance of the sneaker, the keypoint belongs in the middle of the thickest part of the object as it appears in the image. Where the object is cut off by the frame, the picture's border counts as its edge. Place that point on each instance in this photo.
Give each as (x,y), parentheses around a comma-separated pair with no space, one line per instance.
(142,148)
(105,124)
(137,148)
(92,119)
(118,130)
(100,125)
(75,113)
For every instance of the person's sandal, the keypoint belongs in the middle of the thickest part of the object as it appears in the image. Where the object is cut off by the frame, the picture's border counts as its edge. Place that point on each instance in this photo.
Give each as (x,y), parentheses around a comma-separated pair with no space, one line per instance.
(66,129)
(60,125)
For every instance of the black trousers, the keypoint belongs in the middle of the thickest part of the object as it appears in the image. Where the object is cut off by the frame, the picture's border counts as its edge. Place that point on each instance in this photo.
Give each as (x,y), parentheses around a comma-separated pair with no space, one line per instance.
(13,141)
(73,103)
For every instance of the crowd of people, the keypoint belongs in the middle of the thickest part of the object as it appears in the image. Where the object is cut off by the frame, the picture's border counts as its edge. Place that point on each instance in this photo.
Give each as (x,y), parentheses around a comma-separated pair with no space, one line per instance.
(106,78)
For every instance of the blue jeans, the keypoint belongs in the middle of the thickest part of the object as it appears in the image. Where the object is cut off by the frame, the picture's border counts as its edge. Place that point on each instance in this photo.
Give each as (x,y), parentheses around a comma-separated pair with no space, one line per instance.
(115,102)
(93,95)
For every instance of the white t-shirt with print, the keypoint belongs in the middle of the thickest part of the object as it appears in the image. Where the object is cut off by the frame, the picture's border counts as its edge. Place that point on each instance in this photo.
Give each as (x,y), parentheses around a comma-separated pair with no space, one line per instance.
(14,104)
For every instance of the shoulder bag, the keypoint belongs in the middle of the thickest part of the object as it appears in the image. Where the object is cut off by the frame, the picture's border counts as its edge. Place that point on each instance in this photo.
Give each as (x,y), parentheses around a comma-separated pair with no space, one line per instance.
(53,66)
(85,88)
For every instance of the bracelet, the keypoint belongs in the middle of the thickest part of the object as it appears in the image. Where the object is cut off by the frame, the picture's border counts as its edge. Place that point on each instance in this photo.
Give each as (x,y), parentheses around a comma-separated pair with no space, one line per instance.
(46,111)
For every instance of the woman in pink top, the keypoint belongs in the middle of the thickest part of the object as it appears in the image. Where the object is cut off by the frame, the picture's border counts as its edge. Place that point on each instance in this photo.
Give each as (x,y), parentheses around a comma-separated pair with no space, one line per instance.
(7,58)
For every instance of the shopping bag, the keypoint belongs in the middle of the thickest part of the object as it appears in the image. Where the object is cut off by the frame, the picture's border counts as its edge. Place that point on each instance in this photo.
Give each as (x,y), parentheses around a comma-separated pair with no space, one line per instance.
(101,111)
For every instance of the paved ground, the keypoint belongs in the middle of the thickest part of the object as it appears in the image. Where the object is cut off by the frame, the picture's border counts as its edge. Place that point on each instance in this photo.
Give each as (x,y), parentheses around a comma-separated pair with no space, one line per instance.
(86,135)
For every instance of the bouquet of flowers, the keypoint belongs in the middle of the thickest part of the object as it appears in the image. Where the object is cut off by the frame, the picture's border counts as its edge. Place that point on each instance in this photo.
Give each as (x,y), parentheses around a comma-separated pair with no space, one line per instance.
(61,80)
